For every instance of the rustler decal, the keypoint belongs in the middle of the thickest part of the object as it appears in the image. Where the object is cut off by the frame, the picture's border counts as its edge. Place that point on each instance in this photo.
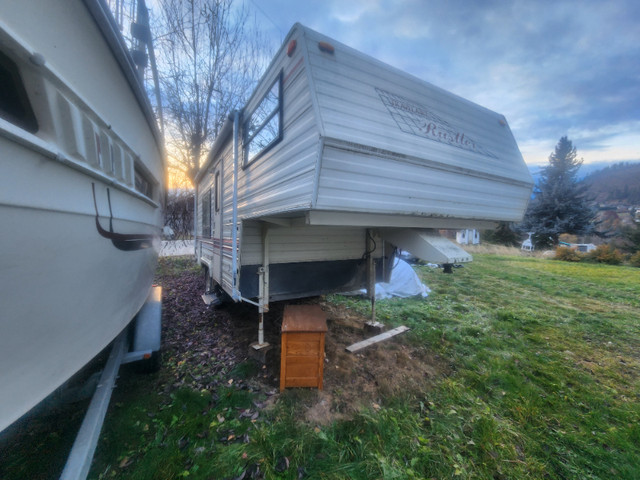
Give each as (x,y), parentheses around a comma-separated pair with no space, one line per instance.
(411,117)
(122,241)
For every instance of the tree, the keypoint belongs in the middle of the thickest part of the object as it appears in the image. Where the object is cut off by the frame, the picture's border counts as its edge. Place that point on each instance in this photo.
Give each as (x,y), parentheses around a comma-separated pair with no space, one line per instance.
(209,57)
(503,234)
(559,205)
(178,212)
(631,238)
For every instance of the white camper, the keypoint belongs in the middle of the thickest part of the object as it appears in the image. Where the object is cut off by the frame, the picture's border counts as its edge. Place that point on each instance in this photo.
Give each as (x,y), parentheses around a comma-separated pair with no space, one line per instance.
(335,160)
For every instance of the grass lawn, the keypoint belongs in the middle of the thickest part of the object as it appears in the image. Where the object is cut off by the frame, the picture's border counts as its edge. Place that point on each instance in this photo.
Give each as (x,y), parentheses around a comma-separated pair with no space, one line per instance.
(542,381)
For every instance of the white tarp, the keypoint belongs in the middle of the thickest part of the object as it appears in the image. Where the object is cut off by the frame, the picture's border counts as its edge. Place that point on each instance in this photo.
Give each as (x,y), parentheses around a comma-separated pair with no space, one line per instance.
(404,282)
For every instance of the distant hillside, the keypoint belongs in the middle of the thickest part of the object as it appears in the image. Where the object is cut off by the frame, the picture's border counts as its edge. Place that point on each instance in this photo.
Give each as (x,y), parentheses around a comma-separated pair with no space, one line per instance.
(585,170)
(616,184)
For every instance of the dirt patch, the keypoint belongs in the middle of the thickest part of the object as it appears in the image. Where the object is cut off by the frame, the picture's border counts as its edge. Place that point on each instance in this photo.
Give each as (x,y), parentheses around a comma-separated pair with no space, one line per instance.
(208,341)
(367,378)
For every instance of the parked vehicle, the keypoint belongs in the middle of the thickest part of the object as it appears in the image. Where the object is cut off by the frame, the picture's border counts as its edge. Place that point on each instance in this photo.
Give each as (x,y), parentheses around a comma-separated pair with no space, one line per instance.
(338,158)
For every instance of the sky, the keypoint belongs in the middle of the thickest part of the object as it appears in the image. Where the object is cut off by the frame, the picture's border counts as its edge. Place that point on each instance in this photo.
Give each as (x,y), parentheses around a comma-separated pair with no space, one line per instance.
(552,68)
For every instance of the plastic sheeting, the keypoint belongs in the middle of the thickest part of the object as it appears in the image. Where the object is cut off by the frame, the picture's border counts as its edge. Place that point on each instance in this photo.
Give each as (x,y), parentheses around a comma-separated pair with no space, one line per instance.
(404,282)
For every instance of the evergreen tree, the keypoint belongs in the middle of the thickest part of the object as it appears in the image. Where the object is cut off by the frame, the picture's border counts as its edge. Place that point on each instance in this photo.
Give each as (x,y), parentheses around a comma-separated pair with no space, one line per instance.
(631,236)
(503,234)
(559,205)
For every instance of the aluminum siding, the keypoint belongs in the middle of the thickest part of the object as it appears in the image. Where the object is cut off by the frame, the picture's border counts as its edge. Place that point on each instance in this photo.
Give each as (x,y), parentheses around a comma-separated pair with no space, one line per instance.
(359,182)
(304,243)
(283,179)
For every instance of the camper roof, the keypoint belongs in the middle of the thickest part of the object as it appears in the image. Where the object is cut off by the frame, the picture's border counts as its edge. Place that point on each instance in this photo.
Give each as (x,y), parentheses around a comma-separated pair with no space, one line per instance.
(360,101)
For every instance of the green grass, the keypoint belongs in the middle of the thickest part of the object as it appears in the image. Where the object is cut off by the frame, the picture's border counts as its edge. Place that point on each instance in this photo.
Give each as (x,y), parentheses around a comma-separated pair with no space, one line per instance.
(543,382)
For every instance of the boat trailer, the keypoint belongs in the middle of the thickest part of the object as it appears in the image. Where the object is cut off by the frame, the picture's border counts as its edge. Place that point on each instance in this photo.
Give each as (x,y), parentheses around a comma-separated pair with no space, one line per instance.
(144,347)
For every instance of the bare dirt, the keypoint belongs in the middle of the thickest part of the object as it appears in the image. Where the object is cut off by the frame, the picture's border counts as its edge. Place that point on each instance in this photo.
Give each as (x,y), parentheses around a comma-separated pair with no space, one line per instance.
(208,342)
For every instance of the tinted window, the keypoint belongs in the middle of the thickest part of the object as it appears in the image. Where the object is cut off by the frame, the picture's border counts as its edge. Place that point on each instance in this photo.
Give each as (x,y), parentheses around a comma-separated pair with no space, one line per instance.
(14,103)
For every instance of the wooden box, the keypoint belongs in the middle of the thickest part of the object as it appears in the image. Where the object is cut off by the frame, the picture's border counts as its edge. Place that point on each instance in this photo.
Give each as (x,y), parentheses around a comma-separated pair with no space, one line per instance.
(302,346)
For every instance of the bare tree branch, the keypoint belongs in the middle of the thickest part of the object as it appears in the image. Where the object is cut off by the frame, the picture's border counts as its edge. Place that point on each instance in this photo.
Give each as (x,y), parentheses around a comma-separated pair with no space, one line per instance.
(210,56)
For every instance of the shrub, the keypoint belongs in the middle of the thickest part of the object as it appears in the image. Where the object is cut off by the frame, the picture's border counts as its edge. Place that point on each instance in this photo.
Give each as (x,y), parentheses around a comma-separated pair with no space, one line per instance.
(606,254)
(635,259)
(567,254)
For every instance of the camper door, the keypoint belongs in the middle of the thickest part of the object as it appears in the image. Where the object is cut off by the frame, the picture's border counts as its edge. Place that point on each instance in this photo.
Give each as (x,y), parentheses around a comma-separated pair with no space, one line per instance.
(216,228)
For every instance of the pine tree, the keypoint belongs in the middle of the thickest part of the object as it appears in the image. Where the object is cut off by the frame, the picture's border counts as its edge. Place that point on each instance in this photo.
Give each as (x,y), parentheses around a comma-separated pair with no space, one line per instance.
(559,205)
(503,234)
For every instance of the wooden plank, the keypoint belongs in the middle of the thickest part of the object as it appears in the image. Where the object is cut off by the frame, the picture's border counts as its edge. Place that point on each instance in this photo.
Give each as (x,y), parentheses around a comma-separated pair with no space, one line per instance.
(303,348)
(283,362)
(321,363)
(304,337)
(378,338)
(302,382)
(302,370)
(305,360)
(304,318)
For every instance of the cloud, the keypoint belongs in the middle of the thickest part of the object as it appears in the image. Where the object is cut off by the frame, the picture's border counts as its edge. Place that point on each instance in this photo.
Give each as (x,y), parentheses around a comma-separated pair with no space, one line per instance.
(353,10)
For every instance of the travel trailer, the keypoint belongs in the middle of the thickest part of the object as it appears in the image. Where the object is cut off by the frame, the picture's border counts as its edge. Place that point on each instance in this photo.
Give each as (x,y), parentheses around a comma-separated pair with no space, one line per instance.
(336,160)
(81,191)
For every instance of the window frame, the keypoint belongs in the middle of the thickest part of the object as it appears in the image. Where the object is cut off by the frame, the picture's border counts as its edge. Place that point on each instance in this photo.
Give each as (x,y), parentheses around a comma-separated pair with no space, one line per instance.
(216,184)
(143,181)
(206,214)
(22,115)
(277,111)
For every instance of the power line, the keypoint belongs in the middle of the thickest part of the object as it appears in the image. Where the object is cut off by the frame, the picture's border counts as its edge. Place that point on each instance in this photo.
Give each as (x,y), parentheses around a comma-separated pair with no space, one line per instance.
(268,18)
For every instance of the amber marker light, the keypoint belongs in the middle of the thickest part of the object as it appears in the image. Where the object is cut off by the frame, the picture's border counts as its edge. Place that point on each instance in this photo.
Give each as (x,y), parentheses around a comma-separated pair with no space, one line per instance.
(292,47)
(326,47)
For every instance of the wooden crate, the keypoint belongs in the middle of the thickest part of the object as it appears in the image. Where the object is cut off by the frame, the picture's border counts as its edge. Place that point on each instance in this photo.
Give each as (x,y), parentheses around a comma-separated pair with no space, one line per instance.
(302,346)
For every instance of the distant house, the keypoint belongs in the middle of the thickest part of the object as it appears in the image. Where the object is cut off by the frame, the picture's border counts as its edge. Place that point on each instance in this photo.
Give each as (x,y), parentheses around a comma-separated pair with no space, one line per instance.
(583,247)
(580,247)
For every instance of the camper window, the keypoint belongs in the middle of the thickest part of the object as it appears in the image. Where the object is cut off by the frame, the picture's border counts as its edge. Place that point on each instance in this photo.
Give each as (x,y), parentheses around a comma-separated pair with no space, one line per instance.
(14,103)
(206,214)
(263,128)
(217,191)
(142,182)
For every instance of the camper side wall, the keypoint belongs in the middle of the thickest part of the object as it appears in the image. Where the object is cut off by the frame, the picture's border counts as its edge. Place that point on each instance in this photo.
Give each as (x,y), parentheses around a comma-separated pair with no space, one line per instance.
(282,177)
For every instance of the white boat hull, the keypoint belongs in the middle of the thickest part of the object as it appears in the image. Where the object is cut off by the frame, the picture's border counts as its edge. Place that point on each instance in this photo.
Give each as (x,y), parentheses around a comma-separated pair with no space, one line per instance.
(79,232)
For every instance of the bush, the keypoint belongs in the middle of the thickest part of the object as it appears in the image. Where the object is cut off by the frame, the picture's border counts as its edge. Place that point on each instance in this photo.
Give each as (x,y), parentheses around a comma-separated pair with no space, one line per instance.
(635,259)
(606,254)
(567,254)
